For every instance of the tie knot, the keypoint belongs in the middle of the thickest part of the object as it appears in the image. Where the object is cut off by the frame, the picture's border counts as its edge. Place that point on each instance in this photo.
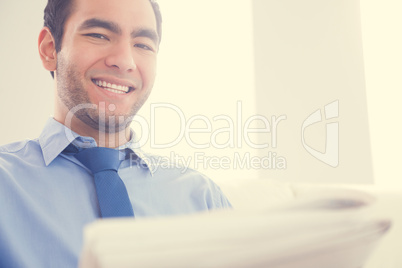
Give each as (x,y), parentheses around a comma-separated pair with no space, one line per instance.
(99,159)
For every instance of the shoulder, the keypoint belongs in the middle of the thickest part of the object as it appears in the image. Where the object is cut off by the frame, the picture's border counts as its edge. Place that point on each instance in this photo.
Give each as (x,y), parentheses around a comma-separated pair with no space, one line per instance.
(185,178)
(205,185)
(17,152)
(18,146)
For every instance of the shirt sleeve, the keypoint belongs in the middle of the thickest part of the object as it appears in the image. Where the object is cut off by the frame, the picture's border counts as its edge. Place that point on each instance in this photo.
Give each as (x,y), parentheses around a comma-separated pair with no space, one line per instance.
(219,199)
(223,201)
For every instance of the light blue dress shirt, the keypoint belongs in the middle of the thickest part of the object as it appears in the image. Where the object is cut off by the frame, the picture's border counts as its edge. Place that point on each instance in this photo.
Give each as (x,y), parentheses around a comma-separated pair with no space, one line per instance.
(47,196)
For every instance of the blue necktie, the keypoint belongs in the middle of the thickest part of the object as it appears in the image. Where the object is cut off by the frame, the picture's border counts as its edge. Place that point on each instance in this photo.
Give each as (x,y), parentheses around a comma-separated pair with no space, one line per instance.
(110,189)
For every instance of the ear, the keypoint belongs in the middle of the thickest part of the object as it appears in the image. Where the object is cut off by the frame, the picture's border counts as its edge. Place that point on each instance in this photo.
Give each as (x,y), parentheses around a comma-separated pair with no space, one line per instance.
(47,49)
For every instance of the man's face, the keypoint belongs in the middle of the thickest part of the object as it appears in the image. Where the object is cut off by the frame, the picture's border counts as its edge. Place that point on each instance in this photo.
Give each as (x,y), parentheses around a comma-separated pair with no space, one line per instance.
(107,58)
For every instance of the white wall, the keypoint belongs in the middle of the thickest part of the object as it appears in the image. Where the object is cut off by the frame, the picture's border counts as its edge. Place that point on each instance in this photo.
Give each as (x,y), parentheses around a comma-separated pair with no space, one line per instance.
(26,91)
(382,43)
(205,68)
(308,58)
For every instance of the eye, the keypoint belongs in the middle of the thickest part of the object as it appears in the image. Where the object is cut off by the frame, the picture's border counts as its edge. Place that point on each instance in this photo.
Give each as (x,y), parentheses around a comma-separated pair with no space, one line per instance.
(97,36)
(143,46)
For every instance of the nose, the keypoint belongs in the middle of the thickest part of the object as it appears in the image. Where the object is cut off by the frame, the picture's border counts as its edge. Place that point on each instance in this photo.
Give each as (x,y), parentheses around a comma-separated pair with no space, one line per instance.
(121,57)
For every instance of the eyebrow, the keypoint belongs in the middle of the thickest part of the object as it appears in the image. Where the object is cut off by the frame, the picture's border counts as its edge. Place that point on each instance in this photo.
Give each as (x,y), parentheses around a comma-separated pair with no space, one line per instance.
(145,32)
(97,23)
(115,28)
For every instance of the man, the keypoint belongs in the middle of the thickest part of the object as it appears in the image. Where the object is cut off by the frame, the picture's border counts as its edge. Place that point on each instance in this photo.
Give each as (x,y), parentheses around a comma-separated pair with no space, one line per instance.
(102,55)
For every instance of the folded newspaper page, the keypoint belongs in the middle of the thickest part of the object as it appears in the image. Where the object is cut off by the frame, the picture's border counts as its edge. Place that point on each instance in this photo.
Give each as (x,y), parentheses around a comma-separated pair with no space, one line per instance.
(335,230)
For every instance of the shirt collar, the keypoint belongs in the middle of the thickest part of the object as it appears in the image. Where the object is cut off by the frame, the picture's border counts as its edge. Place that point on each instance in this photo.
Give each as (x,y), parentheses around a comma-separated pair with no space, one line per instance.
(134,146)
(55,137)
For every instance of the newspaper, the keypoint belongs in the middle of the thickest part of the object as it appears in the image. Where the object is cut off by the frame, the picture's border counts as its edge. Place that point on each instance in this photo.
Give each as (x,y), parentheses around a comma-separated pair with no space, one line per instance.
(333,230)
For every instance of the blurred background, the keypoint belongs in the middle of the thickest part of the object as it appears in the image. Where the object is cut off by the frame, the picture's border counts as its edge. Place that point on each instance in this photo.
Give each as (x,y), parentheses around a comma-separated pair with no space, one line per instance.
(314,83)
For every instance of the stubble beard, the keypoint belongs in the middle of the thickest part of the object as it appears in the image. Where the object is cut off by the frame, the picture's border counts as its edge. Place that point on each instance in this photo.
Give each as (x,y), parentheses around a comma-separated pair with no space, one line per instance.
(72,93)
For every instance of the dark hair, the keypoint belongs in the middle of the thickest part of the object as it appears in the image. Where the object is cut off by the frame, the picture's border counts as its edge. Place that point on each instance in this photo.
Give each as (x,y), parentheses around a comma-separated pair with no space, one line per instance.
(57,12)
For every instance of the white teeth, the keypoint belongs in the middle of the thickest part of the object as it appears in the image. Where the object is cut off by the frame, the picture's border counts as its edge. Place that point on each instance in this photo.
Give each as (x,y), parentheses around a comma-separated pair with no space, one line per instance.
(114,90)
(112,87)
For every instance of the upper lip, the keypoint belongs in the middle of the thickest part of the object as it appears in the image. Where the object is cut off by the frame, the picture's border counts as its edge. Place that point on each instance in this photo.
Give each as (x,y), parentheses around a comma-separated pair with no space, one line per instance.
(116,81)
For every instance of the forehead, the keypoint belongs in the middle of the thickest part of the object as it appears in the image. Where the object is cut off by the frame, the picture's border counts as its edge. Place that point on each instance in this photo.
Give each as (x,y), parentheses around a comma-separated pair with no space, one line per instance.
(128,14)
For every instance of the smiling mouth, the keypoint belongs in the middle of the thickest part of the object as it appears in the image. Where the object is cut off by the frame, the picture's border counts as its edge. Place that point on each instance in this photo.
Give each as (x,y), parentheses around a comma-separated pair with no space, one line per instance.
(115,88)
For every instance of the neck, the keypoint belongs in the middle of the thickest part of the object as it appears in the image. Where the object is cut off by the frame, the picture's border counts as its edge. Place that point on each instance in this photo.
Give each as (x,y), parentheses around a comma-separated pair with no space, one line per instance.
(103,138)
(106,139)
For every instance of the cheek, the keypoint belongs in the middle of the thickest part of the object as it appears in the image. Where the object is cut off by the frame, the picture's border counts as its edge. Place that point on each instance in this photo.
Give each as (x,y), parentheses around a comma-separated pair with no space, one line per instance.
(147,68)
(85,57)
